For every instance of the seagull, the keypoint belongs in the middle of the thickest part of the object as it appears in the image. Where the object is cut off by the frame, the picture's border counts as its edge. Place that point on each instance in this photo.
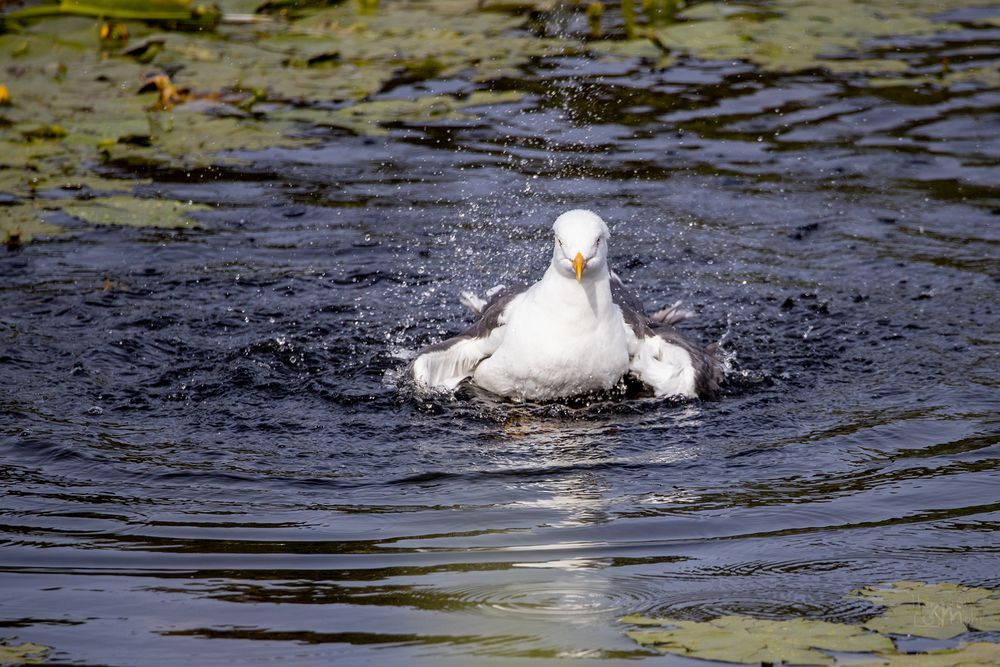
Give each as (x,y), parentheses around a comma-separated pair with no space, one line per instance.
(576,331)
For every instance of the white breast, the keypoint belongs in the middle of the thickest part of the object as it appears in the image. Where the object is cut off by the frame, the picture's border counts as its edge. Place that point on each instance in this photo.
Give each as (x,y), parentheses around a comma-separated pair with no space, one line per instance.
(557,348)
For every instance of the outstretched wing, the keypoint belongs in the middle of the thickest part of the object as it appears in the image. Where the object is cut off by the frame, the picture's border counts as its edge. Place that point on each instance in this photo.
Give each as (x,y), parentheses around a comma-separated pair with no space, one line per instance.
(663,358)
(674,366)
(444,365)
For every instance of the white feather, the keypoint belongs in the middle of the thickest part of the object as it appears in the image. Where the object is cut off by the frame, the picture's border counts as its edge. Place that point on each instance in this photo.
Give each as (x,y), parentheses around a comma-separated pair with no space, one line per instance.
(472,302)
(446,368)
(666,368)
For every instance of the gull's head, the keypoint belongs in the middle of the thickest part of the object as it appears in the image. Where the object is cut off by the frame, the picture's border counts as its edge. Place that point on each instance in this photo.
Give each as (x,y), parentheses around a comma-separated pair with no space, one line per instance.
(581,244)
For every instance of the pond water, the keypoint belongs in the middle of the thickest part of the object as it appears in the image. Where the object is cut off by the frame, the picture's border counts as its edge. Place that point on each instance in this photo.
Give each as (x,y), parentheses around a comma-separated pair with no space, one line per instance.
(207,453)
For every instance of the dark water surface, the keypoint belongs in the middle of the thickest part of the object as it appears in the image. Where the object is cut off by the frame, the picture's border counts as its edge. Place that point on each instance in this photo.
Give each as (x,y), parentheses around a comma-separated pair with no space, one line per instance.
(210,457)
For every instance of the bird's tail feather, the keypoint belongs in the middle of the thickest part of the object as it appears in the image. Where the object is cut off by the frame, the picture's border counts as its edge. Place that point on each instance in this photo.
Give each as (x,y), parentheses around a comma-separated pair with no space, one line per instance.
(672,314)
(472,302)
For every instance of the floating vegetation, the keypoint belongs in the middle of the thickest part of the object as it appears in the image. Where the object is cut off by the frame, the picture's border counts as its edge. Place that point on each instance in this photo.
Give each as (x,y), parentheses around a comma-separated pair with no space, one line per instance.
(648,13)
(179,13)
(22,222)
(138,86)
(753,640)
(368,117)
(976,654)
(85,91)
(797,35)
(135,212)
(23,654)
(938,611)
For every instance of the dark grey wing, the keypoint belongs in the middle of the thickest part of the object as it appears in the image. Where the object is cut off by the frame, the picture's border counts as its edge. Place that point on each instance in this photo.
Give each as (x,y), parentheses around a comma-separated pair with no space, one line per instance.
(656,362)
(494,309)
(631,307)
(444,365)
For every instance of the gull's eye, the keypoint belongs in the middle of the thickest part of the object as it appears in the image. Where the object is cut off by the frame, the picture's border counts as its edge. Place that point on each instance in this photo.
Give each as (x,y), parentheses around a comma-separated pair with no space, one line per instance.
(597,242)
(559,241)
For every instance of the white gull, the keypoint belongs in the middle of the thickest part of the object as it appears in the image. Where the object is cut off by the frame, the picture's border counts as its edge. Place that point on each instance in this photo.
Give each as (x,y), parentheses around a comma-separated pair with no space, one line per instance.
(575,331)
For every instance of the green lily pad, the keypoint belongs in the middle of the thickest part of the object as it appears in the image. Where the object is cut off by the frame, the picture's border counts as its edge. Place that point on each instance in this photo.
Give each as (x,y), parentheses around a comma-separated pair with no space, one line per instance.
(190,139)
(75,103)
(796,35)
(749,640)
(72,102)
(977,654)
(182,12)
(633,48)
(23,654)
(23,223)
(135,212)
(936,611)
(44,132)
(369,117)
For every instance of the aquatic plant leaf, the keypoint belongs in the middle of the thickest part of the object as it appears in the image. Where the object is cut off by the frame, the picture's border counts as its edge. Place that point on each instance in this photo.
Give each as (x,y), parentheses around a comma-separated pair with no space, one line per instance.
(21,224)
(23,654)
(183,11)
(43,132)
(27,169)
(983,76)
(135,212)
(753,640)
(936,611)
(990,619)
(977,654)
(146,50)
(130,9)
(369,117)
(268,6)
(636,619)
(917,620)
(190,139)
(633,48)
(919,592)
(796,35)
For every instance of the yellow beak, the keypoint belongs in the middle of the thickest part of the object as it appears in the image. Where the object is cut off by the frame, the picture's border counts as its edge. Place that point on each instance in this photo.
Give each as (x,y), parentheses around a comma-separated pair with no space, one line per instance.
(578,263)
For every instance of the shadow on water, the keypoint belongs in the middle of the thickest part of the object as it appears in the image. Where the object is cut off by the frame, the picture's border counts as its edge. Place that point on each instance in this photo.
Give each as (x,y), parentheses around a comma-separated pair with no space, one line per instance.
(204,436)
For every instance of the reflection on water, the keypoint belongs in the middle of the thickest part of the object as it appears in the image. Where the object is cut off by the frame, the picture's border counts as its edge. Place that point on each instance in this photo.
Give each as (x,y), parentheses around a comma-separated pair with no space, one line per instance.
(213,457)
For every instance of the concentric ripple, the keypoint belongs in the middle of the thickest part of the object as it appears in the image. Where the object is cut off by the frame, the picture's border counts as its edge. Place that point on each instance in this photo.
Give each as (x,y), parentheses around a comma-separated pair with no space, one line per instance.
(810,602)
(554,600)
